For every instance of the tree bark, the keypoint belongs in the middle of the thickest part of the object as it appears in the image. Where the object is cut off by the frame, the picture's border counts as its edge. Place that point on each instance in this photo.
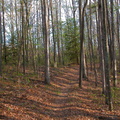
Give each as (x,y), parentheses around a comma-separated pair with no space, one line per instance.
(114,68)
(105,52)
(22,37)
(4,36)
(53,34)
(0,45)
(46,41)
(81,21)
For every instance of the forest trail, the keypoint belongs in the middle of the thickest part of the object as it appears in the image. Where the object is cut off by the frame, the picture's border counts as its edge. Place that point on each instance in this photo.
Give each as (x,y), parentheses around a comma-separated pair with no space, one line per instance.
(31,99)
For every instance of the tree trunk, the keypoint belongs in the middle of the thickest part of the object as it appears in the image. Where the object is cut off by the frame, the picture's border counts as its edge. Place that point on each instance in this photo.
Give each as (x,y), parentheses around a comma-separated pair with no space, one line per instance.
(4,36)
(81,21)
(105,52)
(23,41)
(0,46)
(99,32)
(46,41)
(53,34)
(114,68)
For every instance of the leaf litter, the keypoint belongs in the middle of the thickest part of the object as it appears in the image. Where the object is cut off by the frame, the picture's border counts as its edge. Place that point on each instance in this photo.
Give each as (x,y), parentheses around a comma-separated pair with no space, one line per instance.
(31,99)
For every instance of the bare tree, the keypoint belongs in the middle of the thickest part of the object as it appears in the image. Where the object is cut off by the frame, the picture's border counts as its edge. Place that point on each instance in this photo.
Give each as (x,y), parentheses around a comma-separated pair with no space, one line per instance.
(23,37)
(4,36)
(114,68)
(0,45)
(46,40)
(81,21)
(105,52)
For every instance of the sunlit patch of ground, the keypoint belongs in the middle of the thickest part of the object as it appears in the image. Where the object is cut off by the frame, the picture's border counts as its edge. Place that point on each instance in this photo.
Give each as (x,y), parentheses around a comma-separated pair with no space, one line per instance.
(28,98)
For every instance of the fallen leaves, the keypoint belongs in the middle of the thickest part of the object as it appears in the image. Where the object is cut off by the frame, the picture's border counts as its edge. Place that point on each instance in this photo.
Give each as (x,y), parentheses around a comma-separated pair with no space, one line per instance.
(31,99)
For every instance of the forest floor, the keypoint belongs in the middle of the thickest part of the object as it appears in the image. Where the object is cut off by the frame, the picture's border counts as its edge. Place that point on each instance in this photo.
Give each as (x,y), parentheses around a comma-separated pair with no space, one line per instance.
(26,97)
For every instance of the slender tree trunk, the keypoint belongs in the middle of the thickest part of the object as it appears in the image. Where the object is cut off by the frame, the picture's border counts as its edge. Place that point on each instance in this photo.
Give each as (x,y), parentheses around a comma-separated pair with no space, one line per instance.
(84,64)
(12,27)
(0,45)
(4,36)
(26,31)
(58,36)
(23,41)
(60,32)
(89,41)
(53,33)
(91,45)
(105,51)
(81,21)
(46,41)
(114,68)
(18,38)
(100,48)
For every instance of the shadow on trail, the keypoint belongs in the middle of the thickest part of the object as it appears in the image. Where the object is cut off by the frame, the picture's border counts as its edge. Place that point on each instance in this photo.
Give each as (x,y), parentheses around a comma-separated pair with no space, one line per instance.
(3,117)
(60,101)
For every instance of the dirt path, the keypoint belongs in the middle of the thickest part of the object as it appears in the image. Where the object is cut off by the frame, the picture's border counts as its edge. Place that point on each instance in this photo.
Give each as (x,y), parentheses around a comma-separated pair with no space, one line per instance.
(62,100)
(69,104)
